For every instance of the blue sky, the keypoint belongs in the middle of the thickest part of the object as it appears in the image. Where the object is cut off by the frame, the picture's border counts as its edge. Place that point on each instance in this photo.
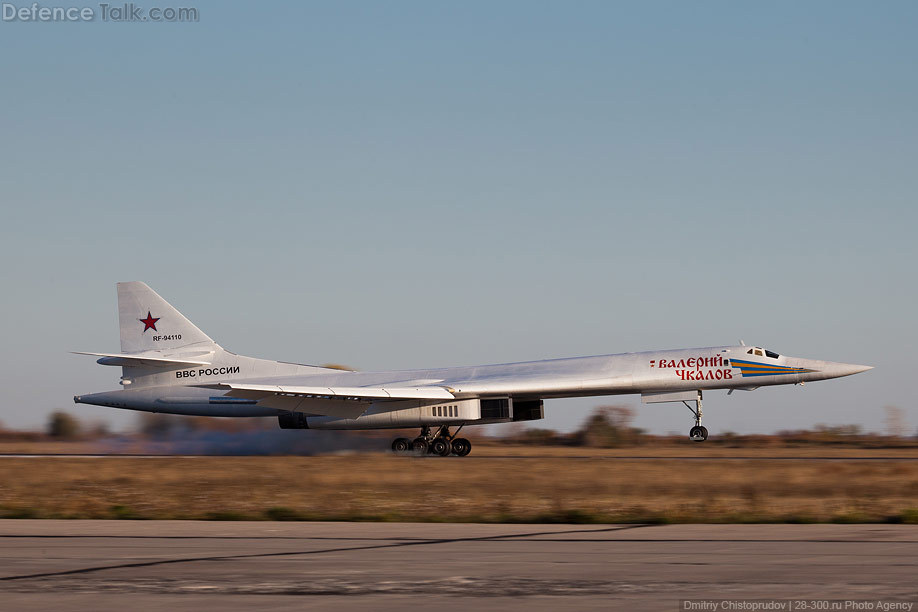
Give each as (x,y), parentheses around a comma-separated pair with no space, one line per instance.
(407,184)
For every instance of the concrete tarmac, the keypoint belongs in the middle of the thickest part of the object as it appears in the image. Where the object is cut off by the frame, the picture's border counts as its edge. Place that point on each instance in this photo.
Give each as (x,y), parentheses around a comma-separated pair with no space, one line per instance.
(189,565)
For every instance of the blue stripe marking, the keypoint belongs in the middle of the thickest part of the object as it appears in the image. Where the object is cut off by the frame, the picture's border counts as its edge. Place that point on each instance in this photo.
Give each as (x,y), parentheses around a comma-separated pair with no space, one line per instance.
(222,399)
(747,374)
(754,364)
(750,369)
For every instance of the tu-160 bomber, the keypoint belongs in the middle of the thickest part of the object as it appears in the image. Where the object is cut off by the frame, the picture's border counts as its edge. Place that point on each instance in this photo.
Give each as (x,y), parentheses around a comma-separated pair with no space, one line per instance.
(171,366)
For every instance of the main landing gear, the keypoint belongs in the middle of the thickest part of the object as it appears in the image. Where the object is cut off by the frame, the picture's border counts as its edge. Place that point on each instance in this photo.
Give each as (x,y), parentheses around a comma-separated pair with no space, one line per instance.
(441,443)
(698,433)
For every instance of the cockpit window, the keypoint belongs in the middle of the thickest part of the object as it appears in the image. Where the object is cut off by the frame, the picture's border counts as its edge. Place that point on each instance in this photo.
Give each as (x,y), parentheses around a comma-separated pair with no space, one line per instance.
(762,352)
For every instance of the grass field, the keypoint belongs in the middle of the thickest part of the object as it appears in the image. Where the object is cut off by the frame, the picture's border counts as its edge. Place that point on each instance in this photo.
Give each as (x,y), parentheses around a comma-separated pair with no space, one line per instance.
(541,484)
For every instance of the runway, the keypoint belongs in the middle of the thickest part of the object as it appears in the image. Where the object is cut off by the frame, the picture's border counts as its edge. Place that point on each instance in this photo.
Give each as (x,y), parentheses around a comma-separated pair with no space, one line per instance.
(188,565)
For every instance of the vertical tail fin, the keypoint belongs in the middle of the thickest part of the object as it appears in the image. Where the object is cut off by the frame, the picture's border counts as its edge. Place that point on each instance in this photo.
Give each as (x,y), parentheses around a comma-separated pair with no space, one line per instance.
(148,322)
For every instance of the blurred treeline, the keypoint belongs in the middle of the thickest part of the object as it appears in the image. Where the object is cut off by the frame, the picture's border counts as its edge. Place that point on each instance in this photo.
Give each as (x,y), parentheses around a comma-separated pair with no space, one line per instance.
(610,427)
(605,427)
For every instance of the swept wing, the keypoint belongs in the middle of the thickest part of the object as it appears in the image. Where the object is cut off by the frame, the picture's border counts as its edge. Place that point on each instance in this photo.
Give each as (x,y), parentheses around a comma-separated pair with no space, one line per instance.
(343,402)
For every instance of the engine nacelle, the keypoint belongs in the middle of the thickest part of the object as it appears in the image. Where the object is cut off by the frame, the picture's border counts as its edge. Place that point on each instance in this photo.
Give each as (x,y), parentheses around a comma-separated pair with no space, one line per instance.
(293,420)
(417,413)
(528,410)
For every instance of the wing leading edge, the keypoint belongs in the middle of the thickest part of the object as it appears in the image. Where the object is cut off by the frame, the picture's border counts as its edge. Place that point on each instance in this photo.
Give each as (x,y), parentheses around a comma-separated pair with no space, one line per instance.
(342,402)
(344,393)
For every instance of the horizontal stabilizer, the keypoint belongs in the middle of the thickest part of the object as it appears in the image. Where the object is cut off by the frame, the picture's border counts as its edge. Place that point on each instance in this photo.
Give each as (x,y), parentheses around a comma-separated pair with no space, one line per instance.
(344,393)
(146,359)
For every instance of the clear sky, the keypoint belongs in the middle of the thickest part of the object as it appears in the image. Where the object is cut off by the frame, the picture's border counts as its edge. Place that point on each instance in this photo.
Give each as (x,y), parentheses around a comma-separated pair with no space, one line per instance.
(411,184)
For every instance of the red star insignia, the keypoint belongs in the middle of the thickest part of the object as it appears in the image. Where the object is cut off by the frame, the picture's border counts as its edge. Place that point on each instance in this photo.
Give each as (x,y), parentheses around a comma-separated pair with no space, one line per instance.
(149,322)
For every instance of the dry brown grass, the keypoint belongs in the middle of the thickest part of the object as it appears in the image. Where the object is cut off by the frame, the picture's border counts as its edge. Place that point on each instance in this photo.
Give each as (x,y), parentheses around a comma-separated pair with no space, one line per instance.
(385,487)
(697,450)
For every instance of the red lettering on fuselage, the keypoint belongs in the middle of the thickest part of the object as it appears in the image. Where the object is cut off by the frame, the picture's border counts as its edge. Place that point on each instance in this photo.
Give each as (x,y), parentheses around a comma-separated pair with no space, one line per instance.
(697,368)
(712,374)
(691,363)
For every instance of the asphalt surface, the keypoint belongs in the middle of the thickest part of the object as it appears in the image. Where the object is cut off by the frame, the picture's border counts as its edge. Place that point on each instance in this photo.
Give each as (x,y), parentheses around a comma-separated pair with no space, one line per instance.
(188,565)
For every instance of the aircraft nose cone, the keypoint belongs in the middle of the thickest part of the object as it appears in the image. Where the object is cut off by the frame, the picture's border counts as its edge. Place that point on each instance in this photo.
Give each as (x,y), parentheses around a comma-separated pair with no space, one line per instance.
(847,369)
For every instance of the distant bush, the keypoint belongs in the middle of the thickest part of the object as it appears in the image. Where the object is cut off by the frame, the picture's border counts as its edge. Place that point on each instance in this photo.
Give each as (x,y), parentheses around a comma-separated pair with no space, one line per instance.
(608,427)
(834,431)
(540,437)
(158,425)
(64,426)
(9,435)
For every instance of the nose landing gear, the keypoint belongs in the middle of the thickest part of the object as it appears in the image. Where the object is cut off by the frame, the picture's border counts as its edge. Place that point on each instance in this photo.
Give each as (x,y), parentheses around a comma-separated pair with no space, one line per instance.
(442,443)
(698,433)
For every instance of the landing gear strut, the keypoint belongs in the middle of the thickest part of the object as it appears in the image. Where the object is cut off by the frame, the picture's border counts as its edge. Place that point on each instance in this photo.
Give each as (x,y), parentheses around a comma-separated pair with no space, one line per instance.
(698,433)
(441,443)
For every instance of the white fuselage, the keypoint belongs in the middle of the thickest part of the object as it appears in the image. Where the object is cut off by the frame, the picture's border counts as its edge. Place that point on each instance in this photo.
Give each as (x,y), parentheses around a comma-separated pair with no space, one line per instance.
(178,390)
